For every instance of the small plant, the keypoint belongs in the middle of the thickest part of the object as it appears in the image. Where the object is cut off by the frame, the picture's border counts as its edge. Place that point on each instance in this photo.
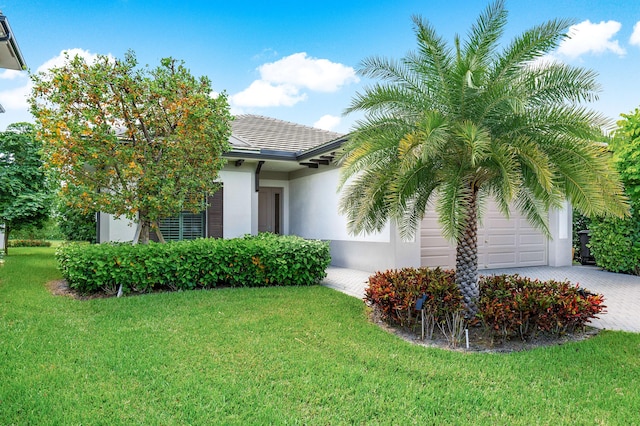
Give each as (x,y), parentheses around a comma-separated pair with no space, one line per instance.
(510,306)
(515,306)
(394,294)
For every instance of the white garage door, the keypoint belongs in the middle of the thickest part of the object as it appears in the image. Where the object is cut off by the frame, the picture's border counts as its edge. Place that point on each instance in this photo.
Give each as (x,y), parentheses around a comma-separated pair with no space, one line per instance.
(502,243)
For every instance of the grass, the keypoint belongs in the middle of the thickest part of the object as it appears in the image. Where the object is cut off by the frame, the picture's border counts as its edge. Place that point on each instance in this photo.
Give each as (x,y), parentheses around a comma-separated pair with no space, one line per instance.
(276,356)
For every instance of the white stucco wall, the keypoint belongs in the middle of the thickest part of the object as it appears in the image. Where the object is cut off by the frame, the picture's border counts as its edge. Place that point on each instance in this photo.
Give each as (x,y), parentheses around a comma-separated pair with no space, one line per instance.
(561,228)
(113,229)
(237,211)
(314,214)
(314,210)
(237,202)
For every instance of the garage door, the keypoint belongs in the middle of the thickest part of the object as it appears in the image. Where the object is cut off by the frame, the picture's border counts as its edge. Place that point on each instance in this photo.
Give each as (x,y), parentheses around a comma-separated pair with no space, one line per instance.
(502,243)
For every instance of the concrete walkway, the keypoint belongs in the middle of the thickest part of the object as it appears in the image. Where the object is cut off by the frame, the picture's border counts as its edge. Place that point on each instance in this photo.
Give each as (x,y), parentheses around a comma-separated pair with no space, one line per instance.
(621,292)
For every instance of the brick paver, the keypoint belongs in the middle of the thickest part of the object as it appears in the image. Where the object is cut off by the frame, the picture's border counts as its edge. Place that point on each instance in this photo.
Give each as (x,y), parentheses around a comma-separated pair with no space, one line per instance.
(621,292)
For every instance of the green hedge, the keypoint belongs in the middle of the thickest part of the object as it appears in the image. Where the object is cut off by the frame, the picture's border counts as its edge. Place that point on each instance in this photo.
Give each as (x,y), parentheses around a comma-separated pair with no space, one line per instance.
(615,243)
(29,243)
(251,261)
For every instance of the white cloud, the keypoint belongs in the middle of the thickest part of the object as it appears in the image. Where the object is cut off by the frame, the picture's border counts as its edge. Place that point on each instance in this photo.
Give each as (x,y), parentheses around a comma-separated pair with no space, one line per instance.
(58,61)
(265,94)
(12,74)
(282,82)
(16,98)
(320,75)
(635,36)
(327,122)
(587,37)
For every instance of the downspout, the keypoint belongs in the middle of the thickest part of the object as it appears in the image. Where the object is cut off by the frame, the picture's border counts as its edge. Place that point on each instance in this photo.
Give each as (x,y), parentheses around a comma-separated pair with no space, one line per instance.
(257,175)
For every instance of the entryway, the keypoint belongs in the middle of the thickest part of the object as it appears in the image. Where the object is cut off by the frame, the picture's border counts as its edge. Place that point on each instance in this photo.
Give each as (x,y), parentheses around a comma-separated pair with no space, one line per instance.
(270,210)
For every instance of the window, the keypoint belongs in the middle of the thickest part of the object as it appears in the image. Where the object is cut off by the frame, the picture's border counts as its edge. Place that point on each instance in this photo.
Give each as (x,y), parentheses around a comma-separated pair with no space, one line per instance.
(186,226)
(189,226)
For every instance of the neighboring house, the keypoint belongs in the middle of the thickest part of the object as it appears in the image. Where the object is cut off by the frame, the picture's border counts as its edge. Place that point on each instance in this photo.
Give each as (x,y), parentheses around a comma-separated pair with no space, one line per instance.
(281,177)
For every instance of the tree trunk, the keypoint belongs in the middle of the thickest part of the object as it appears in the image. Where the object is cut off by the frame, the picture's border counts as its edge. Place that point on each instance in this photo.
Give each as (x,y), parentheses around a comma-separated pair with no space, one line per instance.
(144,232)
(156,228)
(467,260)
(6,239)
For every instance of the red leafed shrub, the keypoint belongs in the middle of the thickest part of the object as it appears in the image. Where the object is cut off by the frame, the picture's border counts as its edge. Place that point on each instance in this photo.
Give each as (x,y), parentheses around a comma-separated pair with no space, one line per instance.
(511,305)
(394,293)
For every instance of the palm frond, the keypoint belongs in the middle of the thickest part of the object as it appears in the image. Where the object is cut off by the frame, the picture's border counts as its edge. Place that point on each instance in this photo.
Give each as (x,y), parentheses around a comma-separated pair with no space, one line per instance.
(452,204)
(528,47)
(484,36)
(534,209)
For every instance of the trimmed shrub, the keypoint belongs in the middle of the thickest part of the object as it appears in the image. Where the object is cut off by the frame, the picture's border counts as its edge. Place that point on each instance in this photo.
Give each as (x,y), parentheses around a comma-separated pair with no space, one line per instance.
(251,261)
(29,243)
(511,305)
(615,243)
(394,294)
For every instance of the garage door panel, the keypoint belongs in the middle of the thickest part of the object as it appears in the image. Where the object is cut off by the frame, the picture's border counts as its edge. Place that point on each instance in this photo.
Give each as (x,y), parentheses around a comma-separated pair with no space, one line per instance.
(531,258)
(502,242)
(532,239)
(501,258)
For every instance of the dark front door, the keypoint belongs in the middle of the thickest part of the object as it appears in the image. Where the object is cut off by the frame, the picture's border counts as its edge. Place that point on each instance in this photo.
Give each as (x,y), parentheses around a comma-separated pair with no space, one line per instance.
(270,210)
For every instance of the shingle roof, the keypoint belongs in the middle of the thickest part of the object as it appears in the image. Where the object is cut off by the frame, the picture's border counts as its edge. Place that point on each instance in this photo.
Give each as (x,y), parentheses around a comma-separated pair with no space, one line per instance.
(277,135)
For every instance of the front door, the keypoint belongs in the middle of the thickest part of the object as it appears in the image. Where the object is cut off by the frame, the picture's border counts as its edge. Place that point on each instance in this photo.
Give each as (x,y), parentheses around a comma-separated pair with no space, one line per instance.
(270,210)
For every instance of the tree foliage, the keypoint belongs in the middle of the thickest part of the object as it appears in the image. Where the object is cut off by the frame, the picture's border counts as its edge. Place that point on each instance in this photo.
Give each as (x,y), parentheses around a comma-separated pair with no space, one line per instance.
(24,194)
(75,224)
(626,153)
(451,125)
(615,242)
(135,142)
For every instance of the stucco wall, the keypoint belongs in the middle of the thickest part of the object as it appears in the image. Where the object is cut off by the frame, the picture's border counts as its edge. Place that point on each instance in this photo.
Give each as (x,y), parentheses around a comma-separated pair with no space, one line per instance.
(561,228)
(237,201)
(112,229)
(314,209)
(314,214)
(237,211)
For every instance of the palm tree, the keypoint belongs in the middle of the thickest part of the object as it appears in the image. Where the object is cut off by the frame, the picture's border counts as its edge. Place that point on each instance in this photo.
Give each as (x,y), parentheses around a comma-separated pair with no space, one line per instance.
(450,126)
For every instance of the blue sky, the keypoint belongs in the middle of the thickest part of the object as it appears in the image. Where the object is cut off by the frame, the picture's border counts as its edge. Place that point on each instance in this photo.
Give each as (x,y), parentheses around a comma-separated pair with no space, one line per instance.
(295,60)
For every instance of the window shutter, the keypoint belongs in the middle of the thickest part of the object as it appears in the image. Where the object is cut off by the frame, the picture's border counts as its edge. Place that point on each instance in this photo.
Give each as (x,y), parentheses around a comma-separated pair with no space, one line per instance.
(214,215)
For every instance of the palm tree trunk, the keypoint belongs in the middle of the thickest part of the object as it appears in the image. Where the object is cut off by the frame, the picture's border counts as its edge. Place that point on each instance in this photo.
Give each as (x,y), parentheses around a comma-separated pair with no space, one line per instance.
(467,260)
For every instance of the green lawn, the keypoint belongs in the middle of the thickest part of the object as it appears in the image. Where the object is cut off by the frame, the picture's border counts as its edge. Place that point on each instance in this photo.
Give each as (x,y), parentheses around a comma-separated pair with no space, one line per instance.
(276,356)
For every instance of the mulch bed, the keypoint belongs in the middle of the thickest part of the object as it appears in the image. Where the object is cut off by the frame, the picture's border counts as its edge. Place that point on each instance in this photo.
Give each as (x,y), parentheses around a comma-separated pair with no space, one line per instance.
(61,288)
(481,341)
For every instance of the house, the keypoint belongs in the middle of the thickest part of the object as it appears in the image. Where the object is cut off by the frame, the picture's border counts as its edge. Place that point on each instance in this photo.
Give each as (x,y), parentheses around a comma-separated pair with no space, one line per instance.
(281,177)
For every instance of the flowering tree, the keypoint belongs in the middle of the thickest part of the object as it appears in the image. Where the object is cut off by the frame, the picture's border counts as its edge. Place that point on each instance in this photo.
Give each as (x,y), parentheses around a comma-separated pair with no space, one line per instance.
(135,142)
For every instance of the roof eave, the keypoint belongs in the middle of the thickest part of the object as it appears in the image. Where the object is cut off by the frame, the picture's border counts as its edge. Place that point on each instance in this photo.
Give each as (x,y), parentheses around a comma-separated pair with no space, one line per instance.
(321,149)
